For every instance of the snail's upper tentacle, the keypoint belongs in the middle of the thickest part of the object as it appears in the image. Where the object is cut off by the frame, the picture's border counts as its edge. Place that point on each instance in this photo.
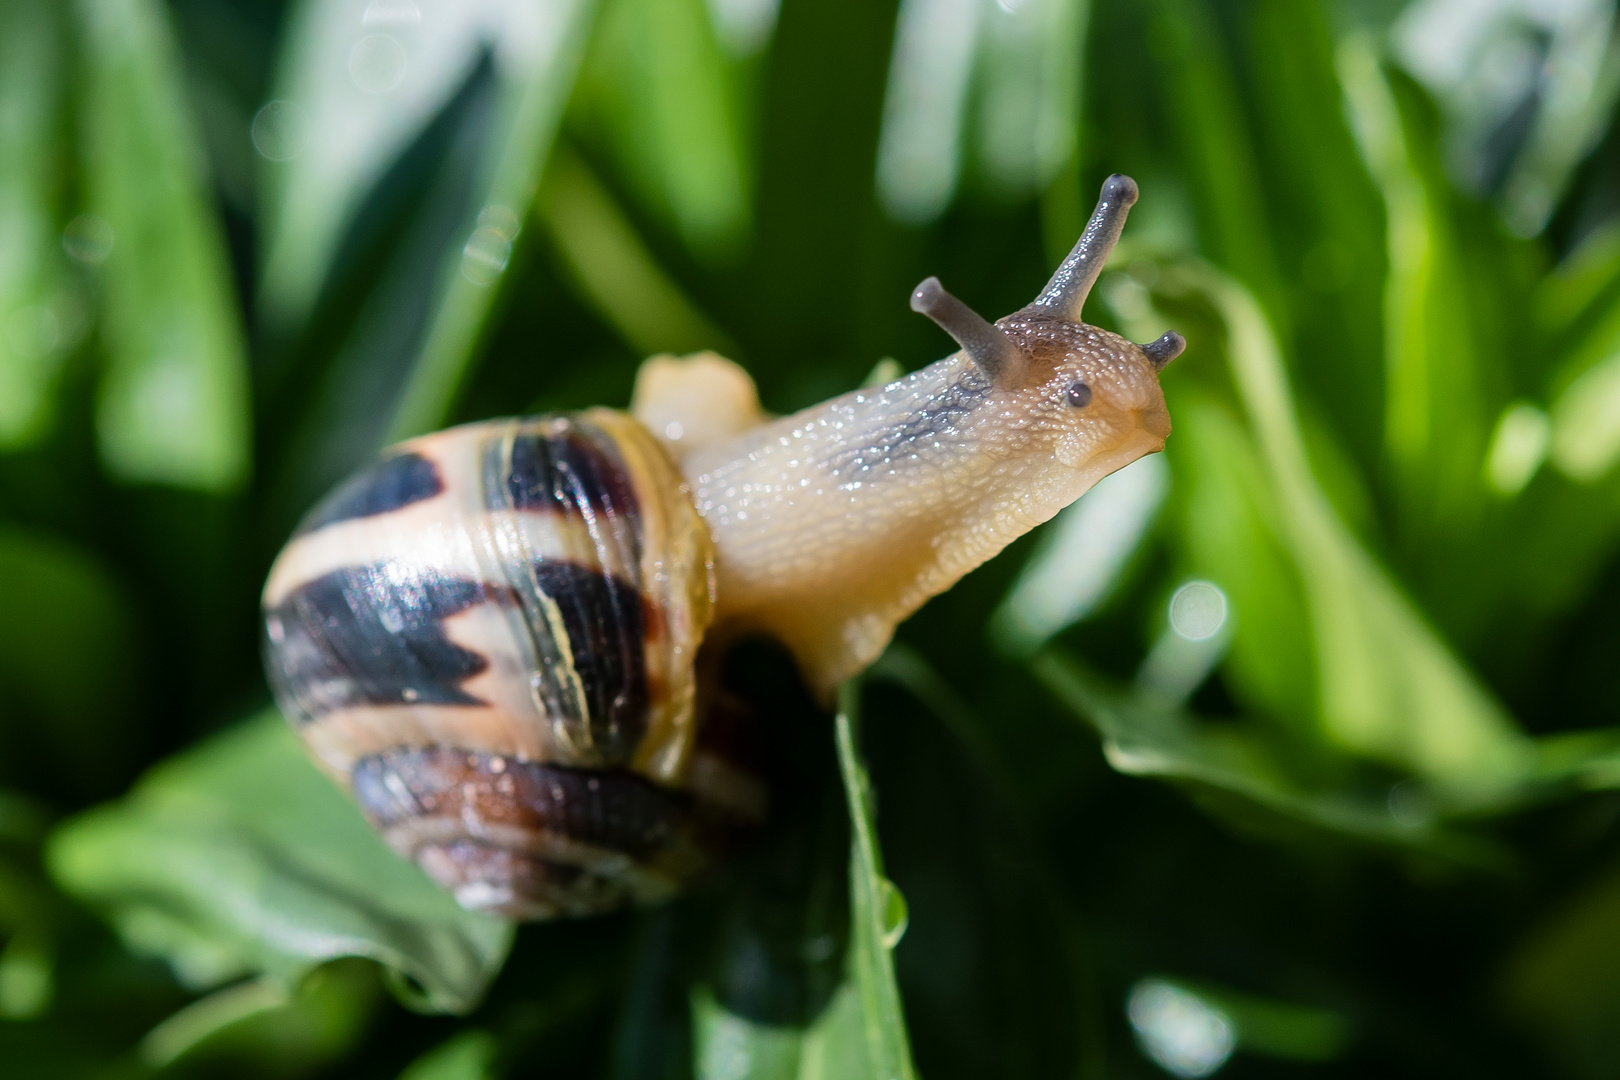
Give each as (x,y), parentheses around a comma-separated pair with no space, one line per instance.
(995,353)
(1066,293)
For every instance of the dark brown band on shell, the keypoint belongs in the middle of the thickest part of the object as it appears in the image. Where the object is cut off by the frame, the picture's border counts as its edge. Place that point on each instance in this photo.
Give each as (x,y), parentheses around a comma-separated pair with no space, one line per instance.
(567,469)
(1164,349)
(994,352)
(392,483)
(377,635)
(1066,293)
(530,840)
(609,809)
(380,633)
(372,635)
(587,629)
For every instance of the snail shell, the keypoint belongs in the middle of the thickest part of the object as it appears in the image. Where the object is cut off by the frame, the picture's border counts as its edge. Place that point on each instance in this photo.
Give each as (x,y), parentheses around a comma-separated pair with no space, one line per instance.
(489,635)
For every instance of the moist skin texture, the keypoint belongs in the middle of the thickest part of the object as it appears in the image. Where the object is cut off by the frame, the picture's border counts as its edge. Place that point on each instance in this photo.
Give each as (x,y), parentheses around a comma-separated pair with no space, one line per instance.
(832,525)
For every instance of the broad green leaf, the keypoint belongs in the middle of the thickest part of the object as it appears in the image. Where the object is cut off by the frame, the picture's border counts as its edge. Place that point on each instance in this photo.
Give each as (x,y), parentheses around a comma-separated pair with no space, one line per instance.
(36,312)
(261,1022)
(663,94)
(209,1016)
(173,404)
(1387,686)
(1143,735)
(614,270)
(258,1022)
(239,858)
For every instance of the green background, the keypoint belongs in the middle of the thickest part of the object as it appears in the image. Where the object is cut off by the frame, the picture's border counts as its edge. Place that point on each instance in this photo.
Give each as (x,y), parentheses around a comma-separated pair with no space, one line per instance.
(1370,824)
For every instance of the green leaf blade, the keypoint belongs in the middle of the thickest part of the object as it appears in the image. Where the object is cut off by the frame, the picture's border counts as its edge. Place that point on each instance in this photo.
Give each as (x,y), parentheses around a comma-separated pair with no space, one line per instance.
(173,406)
(240,858)
(1388,686)
(535,81)
(871,959)
(32,289)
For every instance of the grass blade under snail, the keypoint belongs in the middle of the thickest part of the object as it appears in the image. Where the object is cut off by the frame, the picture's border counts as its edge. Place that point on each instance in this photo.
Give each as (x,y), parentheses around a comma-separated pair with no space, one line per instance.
(877,910)
(861,1030)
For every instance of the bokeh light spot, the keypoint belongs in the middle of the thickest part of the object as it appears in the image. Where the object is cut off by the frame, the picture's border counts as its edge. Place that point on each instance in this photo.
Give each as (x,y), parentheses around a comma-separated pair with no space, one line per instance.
(1198,610)
(89,239)
(1182,1033)
(280,130)
(377,63)
(489,249)
(391,13)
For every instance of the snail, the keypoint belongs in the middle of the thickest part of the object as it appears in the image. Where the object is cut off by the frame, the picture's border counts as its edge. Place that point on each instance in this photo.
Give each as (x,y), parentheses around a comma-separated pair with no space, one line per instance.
(494,634)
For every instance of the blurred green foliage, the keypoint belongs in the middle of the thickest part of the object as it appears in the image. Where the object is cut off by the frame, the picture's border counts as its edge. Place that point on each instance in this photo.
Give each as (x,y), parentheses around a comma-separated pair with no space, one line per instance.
(1293,752)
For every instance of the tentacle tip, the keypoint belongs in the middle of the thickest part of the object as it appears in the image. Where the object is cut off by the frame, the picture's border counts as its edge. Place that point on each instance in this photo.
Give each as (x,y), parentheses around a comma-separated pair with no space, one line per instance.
(926,295)
(1120,188)
(1165,349)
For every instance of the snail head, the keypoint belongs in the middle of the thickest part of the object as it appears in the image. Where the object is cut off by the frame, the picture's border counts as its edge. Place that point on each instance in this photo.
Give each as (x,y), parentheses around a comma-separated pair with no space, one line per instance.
(1091,397)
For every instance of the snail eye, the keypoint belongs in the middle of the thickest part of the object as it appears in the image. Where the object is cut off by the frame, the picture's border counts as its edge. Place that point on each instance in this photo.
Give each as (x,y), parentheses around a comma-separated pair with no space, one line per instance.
(1078,395)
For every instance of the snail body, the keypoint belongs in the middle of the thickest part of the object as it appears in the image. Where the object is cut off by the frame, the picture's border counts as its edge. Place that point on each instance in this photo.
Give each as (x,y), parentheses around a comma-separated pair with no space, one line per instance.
(492,634)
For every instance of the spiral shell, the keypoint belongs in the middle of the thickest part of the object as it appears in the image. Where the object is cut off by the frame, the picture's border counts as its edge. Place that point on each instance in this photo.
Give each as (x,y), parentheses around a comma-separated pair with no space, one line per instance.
(490,635)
